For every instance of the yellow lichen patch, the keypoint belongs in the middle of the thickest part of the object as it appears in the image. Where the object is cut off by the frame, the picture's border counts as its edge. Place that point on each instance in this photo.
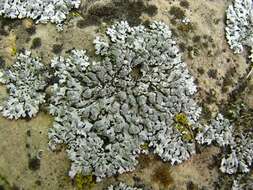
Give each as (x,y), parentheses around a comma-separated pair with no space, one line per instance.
(186,132)
(183,126)
(75,14)
(13,51)
(144,146)
(86,182)
(181,118)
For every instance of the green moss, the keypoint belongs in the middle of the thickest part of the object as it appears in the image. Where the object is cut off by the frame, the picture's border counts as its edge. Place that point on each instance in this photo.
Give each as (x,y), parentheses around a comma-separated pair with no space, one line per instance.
(177,12)
(151,10)
(184,4)
(84,182)
(186,27)
(34,163)
(4,183)
(36,43)
(57,48)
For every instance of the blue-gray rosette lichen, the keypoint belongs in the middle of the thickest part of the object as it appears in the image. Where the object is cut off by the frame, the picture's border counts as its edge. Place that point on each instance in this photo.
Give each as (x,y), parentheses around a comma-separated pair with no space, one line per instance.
(25,80)
(106,110)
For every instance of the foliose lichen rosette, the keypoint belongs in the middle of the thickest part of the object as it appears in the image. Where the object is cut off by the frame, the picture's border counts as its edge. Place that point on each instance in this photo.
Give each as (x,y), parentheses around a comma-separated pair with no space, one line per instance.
(107,110)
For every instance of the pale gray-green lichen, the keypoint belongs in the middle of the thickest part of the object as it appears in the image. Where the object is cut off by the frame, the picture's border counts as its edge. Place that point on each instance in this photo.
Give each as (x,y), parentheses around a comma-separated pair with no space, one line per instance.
(219,131)
(122,186)
(239,158)
(239,25)
(40,10)
(105,111)
(25,81)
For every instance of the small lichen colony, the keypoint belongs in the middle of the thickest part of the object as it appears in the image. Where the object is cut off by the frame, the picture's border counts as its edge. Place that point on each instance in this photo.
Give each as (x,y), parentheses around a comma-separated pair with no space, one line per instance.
(239,28)
(122,186)
(25,81)
(239,158)
(40,10)
(220,131)
(106,110)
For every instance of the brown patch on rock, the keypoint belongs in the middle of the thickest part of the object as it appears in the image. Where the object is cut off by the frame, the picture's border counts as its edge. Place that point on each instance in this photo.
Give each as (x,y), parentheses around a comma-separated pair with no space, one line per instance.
(163,176)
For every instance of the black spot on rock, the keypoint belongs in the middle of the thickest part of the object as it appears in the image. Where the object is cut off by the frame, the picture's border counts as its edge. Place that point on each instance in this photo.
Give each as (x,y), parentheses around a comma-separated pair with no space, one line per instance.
(201,70)
(14,187)
(38,182)
(36,43)
(2,62)
(191,186)
(196,39)
(57,48)
(34,163)
(28,133)
(184,4)
(212,73)
(177,12)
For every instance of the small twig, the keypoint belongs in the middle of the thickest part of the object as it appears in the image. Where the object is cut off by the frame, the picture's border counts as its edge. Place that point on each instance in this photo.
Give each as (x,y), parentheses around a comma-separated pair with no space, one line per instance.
(250,72)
